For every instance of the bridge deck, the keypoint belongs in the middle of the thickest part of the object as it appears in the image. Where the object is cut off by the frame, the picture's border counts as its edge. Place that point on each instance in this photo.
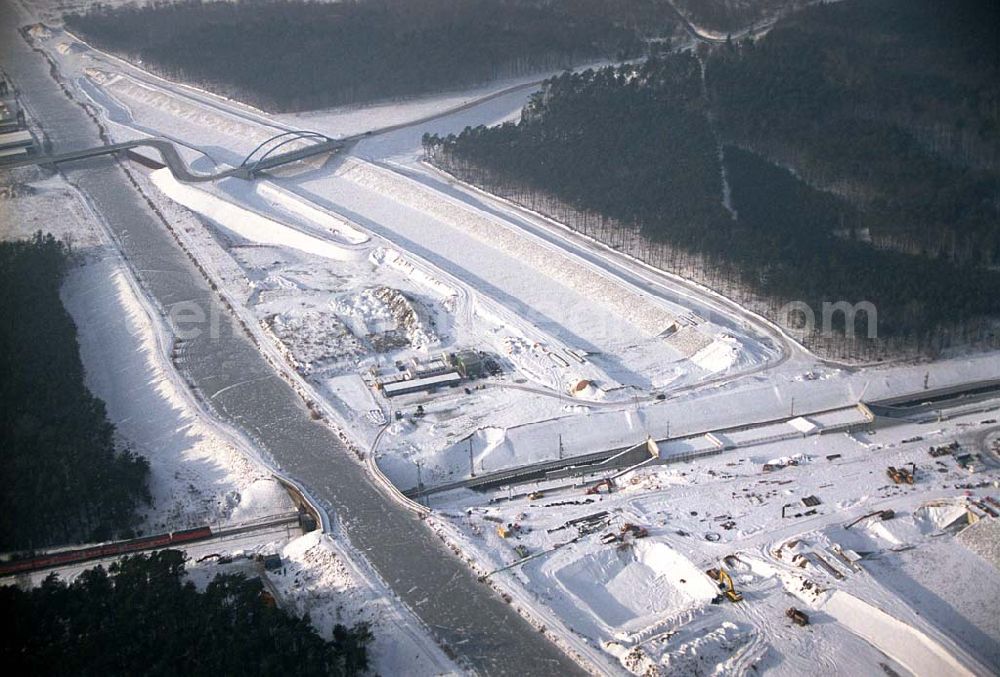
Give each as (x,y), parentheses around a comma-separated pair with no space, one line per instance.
(178,167)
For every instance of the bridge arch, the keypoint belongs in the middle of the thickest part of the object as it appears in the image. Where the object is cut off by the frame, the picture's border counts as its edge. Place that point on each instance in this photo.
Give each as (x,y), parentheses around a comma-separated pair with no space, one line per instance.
(292,136)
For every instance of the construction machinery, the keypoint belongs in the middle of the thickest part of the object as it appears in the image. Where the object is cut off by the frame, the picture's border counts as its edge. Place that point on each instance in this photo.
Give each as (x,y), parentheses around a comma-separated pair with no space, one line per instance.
(634,529)
(607,483)
(900,475)
(725,584)
(883,515)
(508,530)
(798,617)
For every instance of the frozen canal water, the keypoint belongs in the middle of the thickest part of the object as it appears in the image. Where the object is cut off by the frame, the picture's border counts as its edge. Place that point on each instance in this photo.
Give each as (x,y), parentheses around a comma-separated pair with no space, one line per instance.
(230,373)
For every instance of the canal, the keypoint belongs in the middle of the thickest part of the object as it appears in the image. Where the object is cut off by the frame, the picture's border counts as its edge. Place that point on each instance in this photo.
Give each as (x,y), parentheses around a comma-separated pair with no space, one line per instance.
(230,374)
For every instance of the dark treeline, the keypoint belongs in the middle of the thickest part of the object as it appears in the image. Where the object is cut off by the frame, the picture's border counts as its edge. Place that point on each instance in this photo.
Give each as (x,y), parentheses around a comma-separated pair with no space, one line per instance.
(630,156)
(611,130)
(789,248)
(63,479)
(293,55)
(142,617)
(891,104)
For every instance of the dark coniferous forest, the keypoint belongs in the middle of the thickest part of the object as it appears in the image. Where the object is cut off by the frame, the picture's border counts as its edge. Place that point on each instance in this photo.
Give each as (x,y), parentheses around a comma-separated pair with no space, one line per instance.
(63,479)
(142,617)
(850,155)
(290,55)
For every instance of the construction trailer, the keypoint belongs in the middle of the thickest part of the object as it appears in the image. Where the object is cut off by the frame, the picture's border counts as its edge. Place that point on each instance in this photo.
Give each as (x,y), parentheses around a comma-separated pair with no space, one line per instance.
(435,366)
(11,116)
(16,143)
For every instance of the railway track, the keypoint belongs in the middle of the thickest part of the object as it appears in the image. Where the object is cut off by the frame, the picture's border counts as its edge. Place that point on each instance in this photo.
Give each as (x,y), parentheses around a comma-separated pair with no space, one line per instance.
(54,559)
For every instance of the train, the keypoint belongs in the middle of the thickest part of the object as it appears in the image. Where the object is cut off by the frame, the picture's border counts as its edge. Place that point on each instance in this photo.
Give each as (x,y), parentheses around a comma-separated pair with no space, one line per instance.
(64,557)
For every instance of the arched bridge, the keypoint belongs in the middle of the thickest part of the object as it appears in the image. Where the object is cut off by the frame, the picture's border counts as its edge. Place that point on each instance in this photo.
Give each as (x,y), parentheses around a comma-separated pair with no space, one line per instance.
(255,163)
(270,158)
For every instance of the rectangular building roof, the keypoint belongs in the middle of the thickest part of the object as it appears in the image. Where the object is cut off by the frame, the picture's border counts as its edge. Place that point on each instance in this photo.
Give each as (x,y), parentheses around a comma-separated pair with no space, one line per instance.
(415,384)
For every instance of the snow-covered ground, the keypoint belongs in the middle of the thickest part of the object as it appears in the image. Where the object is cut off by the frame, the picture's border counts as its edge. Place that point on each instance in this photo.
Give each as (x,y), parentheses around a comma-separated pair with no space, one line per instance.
(313,258)
(200,471)
(357,267)
(199,474)
(918,600)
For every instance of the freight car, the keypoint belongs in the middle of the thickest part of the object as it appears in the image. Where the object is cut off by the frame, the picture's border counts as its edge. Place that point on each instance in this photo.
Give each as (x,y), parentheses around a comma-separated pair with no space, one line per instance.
(64,557)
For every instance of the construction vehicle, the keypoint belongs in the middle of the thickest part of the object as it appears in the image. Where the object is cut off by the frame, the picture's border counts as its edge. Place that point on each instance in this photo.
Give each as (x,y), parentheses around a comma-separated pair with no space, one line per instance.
(596,489)
(725,584)
(508,530)
(883,515)
(535,495)
(798,617)
(634,529)
(900,475)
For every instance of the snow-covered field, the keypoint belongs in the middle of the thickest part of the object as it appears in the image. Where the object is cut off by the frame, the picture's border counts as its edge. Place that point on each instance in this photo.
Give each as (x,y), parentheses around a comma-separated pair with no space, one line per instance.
(917,601)
(201,473)
(308,258)
(350,271)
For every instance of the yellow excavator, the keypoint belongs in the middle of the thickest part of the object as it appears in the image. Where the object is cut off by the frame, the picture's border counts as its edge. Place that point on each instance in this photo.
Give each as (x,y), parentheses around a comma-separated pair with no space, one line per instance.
(725,583)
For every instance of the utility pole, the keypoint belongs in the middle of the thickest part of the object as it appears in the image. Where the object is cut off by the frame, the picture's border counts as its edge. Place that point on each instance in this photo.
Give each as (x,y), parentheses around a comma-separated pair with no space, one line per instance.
(472,461)
(791,410)
(560,447)
(420,484)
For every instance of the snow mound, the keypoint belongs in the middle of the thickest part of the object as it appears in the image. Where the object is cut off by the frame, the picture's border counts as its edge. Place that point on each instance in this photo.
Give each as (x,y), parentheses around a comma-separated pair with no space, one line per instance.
(419,275)
(491,448)
(649,579)
(720,355)
(384,309)
(941,517)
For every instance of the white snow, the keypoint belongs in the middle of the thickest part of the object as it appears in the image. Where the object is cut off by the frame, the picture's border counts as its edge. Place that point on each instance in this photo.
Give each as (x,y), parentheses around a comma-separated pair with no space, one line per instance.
(199,474)
(628,305)
(244,222)
(911,648)
(323,261)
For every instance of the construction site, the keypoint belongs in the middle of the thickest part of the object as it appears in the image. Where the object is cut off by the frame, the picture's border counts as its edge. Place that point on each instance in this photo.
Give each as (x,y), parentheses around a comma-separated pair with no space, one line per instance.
(650,477)
(672,564)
